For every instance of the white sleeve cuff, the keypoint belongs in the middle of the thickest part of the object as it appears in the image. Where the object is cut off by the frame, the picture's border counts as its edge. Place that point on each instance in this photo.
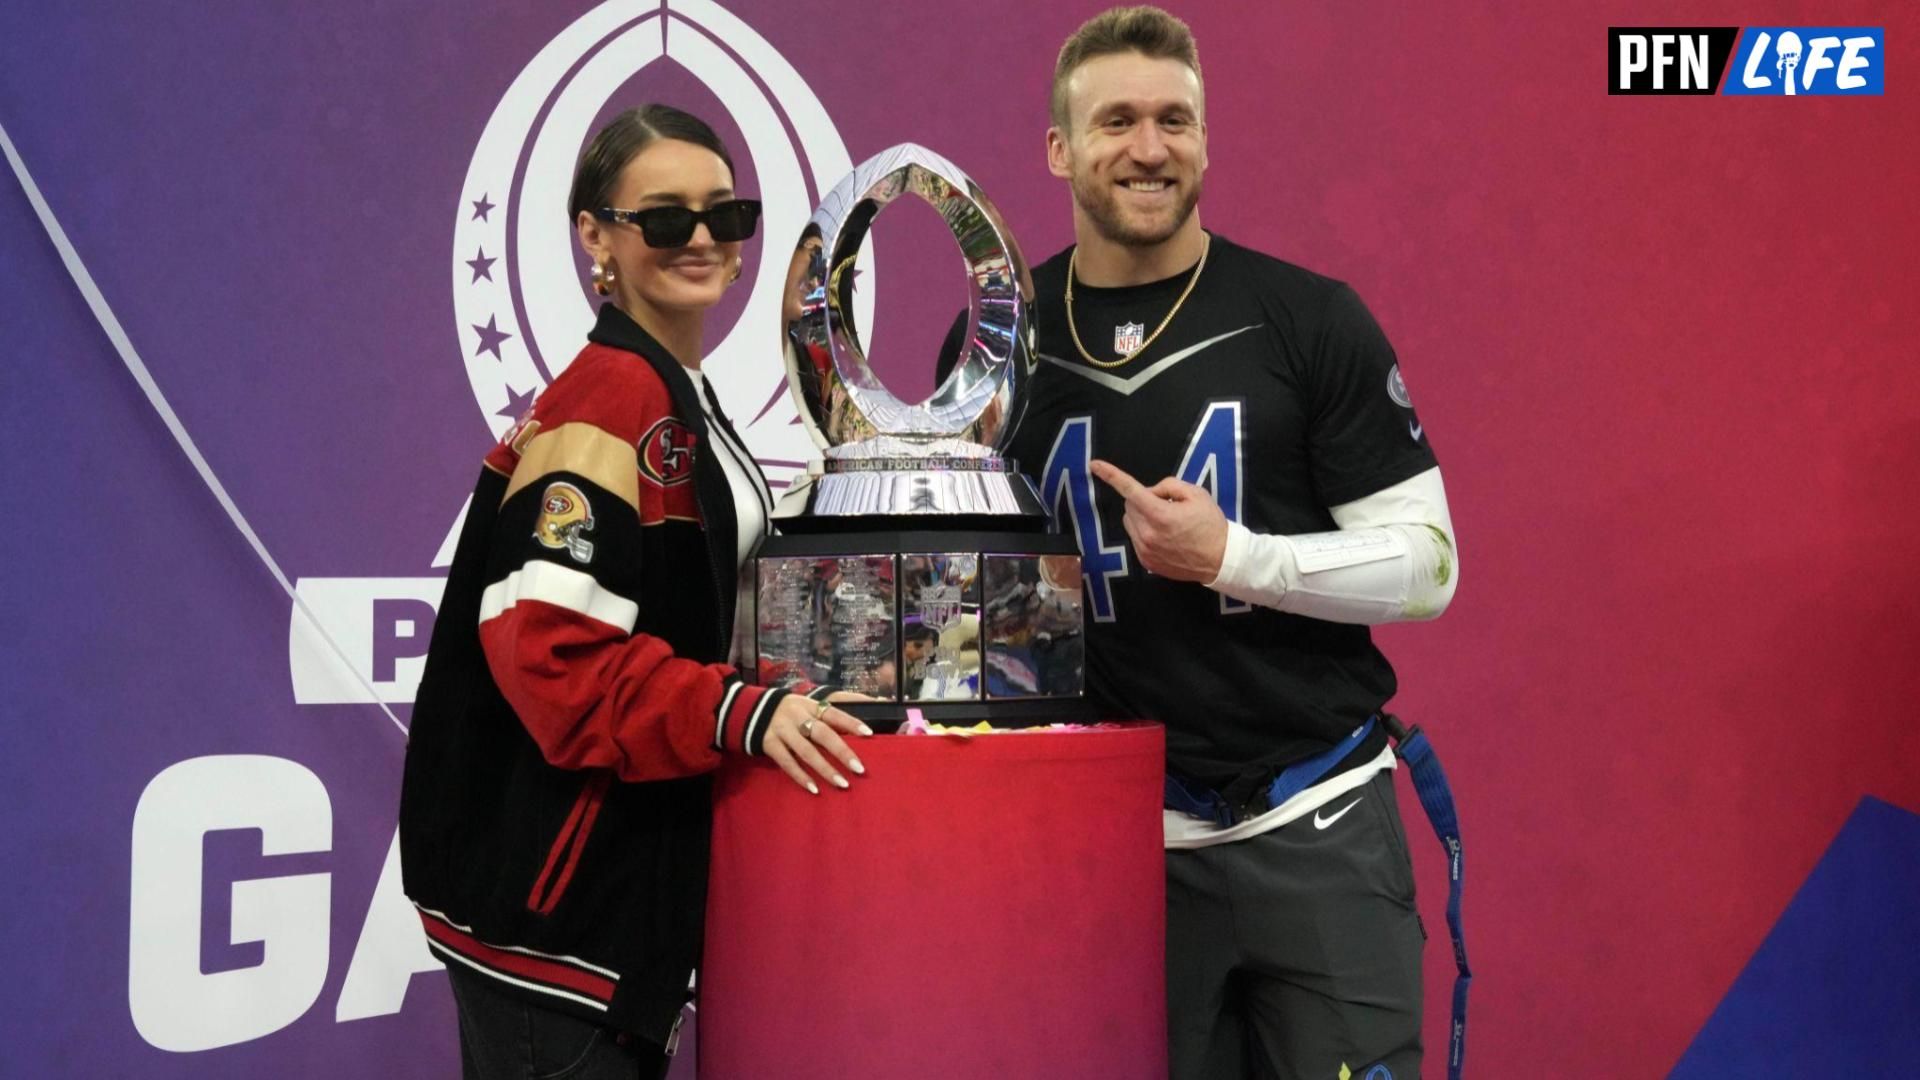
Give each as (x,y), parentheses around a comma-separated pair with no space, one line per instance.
(1259,568)
(1233,561)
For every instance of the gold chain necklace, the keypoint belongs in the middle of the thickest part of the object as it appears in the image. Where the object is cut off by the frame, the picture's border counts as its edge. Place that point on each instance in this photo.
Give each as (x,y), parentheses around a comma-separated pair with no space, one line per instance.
(1074,331)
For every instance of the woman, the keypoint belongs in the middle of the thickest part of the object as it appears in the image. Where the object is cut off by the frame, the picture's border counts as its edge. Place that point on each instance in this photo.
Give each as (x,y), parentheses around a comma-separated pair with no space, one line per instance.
(554,815)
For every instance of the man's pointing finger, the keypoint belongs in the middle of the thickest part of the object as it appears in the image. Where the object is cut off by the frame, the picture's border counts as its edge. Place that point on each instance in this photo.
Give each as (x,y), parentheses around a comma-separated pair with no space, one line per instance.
(1111,475)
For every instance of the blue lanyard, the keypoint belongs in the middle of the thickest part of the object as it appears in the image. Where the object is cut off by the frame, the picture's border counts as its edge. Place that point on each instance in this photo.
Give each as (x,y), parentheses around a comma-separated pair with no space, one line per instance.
(1430,783)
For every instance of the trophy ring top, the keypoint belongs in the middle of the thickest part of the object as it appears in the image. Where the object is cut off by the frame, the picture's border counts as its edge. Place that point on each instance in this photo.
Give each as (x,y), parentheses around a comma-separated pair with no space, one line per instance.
(849,414)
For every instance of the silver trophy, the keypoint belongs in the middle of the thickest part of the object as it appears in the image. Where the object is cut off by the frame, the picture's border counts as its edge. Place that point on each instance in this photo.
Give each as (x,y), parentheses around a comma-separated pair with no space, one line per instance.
(914,562)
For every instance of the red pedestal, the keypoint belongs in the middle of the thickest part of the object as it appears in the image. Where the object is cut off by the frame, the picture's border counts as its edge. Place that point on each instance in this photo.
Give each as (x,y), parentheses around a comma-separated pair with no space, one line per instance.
(994,907)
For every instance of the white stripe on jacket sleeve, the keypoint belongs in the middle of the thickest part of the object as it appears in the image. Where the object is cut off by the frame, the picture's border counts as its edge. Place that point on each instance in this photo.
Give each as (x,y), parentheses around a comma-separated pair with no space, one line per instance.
(560,586)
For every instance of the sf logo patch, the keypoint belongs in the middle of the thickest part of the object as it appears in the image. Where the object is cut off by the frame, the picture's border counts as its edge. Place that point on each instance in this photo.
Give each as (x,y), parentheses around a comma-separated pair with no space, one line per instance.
(564,515)
(666,453)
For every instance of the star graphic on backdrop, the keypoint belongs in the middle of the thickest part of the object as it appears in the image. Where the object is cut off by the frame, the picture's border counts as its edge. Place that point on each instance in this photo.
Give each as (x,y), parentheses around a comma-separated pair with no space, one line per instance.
(481,208)
(490,338)
(516,405)
(482,266)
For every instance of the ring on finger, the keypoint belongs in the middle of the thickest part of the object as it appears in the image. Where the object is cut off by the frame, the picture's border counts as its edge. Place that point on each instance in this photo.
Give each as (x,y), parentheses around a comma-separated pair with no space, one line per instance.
(806,729)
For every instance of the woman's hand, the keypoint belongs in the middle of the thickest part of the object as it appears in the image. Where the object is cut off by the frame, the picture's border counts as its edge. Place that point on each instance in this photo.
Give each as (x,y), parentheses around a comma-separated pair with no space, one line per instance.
(802,728)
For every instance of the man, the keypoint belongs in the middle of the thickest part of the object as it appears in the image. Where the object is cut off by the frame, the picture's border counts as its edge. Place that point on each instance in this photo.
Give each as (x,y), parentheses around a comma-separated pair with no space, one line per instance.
(1230,441)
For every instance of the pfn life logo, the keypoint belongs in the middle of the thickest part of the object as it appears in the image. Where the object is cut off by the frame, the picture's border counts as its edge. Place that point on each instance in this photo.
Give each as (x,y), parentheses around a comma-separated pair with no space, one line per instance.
(1845,60)
(1784,61)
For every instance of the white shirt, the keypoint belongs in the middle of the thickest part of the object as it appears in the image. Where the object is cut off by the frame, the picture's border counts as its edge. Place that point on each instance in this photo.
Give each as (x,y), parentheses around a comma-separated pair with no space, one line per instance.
(1183,832)
(752,505)
(752,510)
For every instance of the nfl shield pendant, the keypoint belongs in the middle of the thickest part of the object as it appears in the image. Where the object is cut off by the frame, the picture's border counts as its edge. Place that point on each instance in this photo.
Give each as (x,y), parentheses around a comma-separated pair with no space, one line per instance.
(1126,338)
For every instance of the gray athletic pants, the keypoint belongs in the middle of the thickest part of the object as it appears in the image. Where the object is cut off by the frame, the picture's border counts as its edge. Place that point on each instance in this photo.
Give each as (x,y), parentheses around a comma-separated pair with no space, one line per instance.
(1296,953)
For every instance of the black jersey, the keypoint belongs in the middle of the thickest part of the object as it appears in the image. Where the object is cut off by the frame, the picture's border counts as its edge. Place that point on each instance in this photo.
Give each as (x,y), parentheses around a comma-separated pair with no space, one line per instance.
(1275,389)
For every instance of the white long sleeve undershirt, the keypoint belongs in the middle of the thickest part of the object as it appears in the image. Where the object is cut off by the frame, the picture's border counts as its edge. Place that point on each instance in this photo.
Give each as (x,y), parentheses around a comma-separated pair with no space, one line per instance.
(1393,560)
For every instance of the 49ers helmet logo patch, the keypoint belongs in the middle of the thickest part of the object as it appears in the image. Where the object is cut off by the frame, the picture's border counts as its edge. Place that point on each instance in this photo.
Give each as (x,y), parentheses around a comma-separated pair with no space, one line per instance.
(666,453)
(564,515)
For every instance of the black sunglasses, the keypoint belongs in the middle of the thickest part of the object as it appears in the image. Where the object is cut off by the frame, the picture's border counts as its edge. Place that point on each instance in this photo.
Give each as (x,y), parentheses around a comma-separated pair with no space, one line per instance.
(672,226)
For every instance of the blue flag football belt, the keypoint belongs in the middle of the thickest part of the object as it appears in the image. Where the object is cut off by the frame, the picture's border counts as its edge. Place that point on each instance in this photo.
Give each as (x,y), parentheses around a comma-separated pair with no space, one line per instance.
(1436,797)
(1207,804)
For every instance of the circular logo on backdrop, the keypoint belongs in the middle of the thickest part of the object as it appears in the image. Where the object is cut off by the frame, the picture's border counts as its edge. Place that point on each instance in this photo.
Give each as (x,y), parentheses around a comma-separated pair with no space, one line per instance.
(520,312)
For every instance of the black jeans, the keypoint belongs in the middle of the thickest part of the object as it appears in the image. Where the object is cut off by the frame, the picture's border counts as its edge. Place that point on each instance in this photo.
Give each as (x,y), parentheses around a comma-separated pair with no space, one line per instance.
(504,1037)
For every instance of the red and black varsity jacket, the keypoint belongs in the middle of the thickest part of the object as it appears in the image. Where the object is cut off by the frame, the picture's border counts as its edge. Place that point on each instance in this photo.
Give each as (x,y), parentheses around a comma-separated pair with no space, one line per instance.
(554,815)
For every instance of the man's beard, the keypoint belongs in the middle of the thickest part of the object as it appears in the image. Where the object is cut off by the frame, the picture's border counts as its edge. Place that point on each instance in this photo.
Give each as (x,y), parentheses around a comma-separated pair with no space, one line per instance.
(1098,200)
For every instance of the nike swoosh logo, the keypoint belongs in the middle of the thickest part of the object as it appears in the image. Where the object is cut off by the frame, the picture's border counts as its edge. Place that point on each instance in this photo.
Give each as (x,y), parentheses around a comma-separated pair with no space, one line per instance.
(1147,374)
(1321,823)
(1414,429)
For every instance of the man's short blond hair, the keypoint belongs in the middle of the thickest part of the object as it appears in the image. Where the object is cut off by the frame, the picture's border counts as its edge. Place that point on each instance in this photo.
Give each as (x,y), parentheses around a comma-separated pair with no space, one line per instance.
(1146,30)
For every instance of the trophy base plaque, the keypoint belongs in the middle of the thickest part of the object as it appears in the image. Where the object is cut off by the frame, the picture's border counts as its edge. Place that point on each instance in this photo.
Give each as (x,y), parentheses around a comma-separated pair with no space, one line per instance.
(949,479)
(963,624)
